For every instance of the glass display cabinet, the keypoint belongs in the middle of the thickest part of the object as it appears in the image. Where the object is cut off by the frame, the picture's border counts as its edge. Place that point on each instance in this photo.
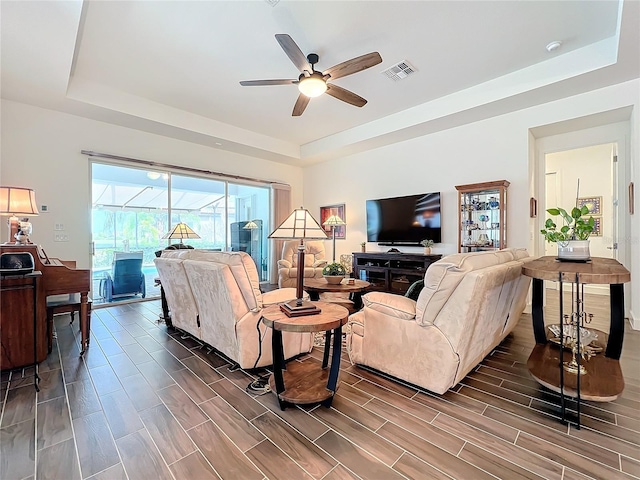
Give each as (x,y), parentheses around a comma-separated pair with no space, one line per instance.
(482,216)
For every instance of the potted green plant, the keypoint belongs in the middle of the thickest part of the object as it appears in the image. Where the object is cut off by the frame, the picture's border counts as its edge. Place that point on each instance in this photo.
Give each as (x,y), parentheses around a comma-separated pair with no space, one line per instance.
(334,273)
(427,244)
(572,237)
(363,246)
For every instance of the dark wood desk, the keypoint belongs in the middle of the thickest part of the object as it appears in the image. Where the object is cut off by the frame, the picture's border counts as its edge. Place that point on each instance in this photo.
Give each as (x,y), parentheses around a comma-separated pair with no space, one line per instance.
(303,382)
(603,380)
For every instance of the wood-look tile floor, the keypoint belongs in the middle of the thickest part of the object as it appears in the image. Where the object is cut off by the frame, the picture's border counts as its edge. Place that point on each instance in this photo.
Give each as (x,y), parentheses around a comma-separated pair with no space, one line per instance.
(145,403)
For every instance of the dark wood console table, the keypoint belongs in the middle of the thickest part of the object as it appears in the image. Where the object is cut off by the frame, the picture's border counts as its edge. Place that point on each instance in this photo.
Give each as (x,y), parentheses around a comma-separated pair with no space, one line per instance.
(603,380)
(391,272)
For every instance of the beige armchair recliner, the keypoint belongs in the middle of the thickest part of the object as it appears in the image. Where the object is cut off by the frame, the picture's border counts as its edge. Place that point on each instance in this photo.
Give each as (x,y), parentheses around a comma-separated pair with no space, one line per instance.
(216,297)
(469,303)
(314,262)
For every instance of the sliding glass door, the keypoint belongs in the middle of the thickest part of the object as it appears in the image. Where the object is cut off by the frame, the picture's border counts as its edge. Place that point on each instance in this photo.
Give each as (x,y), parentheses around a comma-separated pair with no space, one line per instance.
(133,208)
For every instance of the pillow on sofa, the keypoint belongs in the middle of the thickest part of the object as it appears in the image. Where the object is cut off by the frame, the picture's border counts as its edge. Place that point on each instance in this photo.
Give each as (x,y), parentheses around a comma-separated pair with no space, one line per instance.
(389,304)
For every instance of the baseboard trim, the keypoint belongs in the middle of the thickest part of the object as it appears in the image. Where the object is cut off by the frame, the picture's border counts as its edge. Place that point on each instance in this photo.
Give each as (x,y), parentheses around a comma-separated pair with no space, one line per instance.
(634,320)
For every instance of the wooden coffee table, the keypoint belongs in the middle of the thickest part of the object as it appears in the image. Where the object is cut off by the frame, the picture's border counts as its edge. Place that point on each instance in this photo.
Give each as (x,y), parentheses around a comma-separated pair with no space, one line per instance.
(316,286)
(303,382)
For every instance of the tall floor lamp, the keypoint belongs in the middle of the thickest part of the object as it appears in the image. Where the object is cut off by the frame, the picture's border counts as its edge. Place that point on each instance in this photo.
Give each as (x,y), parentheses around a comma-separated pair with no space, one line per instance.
(299,225)
(333,221)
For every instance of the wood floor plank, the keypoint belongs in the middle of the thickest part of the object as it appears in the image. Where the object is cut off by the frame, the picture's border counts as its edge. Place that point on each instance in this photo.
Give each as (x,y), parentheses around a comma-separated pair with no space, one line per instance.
(141,458)
(355,395)
(149,344)
(137,354)
(432,454)
(495,464)
(433,434)
(307,455)
(123,337)
(17,450)
(19,406)
(121,414)
(400,401)
(54,424)
(223,455)
(58,461)
(202,369)
(412,467)
(51,385)
(96,448)
(112,473)
(182,407)
(239,430)
(195,388)
(275,463)
(515,454)
(109,345)
(240,400)
(167,361)
(105,380)
(355,458)
(630,466)
(366,417)
(340,473)
(122,366)
(171,440)
(580,447)
(376,445)
(606,441)
(178,350)
(193,466)
(298,418)
(74,368)
(140,392)
(567,458)
(83,399)
(156,375)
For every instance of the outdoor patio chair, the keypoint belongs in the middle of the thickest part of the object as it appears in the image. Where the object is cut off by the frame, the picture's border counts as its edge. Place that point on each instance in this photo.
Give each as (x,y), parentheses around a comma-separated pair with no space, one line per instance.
(126,277)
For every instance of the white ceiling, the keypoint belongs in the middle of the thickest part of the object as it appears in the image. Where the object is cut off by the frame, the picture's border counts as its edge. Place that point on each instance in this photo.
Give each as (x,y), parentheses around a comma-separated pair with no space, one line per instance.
(174,67)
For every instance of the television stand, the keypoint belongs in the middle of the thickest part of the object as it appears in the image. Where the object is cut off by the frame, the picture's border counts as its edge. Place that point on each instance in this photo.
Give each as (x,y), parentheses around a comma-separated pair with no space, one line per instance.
(392,272)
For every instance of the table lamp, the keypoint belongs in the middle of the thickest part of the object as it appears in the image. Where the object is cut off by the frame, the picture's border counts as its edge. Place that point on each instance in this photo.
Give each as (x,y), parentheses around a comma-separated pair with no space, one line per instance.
(333,221)
(15,201)
(181,231)
(299,225)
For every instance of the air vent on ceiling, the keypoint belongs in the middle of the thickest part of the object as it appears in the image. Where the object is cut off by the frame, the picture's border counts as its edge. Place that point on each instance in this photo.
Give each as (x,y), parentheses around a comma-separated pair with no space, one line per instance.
(399,71)
(273,3)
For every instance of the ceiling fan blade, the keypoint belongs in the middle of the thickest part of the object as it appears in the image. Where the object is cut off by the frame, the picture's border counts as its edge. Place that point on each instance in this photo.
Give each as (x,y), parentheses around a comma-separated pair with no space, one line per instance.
(256,83)
(292,50)
(300,105)
(345,95)
(354,65)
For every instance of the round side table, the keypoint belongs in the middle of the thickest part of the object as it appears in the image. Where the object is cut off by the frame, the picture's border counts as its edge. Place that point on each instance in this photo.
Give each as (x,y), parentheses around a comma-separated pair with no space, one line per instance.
(303,382)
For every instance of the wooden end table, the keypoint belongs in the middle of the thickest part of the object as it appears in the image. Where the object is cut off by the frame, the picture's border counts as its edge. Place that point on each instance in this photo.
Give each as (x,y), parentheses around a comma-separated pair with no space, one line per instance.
(603,380)
(303,382)
(316,286)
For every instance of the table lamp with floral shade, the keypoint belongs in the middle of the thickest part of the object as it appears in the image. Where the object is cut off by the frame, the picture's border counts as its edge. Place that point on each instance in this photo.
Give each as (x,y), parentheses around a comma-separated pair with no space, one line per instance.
(18,202)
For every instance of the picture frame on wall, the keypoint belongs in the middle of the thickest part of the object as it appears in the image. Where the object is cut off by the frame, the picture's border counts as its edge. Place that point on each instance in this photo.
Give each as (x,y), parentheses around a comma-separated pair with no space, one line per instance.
(594,204)
(597,227)
(326,212)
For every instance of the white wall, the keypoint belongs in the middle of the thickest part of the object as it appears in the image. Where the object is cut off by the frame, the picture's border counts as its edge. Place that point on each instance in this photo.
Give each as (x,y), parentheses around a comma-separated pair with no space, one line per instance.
(41,150)
(493,149)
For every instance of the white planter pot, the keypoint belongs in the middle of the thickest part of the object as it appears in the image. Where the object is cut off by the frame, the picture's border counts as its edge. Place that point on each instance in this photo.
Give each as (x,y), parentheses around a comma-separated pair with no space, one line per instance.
(333,279)
(576,250)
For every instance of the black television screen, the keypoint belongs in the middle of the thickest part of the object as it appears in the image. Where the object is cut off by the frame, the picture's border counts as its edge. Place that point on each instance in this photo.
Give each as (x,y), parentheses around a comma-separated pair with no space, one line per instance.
(404,220)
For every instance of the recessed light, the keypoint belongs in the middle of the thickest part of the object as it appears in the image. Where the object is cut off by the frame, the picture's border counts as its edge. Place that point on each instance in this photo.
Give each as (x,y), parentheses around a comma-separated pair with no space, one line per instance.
(554,46)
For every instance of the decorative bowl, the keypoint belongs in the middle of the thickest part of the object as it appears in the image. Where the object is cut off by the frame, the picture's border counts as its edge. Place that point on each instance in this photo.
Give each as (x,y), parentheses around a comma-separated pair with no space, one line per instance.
(333,279)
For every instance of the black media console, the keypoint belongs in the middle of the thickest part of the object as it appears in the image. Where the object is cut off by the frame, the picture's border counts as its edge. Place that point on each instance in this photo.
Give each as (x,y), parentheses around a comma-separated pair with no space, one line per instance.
(391,272)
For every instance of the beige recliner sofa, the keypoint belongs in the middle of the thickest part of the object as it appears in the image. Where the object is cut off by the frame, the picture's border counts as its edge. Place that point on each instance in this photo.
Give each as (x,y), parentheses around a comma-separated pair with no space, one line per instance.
(314,262)
(469,303)
(216,297)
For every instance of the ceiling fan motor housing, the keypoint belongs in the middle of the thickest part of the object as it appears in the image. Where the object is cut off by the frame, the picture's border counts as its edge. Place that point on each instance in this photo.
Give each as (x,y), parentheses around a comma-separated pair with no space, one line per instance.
(313,58)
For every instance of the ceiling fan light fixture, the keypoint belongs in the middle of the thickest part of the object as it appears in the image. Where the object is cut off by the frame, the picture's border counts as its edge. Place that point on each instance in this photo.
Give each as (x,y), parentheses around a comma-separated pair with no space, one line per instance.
(313,86)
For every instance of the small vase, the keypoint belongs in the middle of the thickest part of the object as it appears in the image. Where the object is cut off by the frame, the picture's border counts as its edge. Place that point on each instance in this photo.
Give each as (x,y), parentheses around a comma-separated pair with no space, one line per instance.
(427,250)
(363,248)
(574,251)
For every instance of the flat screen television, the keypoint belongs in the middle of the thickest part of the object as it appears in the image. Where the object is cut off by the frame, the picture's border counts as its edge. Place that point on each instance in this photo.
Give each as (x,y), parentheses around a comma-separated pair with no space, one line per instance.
(404,220)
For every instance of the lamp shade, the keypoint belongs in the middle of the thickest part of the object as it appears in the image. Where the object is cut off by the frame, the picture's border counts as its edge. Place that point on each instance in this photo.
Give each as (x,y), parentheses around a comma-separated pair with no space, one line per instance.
(16,201)
(300,224)
(181,231)
(334,221)
(250,225)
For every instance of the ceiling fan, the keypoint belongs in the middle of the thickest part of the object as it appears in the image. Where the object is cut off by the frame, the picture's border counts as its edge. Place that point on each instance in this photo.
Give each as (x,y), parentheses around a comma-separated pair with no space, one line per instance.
(313,83)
